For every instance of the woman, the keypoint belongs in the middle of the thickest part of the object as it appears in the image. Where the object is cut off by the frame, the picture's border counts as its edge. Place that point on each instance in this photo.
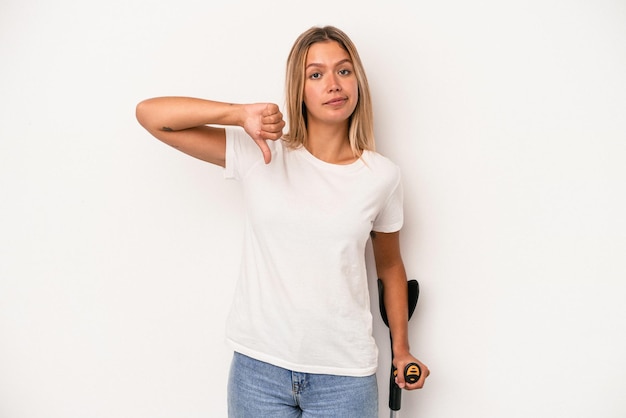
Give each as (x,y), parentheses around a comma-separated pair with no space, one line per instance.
(300,324)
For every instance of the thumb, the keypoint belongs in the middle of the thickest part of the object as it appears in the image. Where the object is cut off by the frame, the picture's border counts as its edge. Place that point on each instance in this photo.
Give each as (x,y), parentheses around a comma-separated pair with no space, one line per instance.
(267,154)
(399,378)
(400,381)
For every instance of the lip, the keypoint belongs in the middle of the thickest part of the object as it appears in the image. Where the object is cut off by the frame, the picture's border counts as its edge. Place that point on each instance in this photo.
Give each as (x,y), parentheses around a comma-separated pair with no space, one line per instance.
(336,101)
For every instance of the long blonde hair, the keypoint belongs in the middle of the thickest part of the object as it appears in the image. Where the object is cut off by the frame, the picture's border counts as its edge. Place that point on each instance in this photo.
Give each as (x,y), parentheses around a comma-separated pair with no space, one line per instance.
(361,123)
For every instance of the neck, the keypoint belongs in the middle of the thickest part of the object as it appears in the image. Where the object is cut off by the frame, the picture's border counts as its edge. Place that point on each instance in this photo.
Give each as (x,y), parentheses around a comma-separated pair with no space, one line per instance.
(330,143)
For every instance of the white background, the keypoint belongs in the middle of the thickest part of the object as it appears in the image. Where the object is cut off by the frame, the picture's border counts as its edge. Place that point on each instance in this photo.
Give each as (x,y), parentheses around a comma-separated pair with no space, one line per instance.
(118,255)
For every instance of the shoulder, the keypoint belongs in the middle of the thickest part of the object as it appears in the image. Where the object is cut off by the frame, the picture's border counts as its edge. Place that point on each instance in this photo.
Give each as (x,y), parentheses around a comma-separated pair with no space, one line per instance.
(383,175)
(380,164)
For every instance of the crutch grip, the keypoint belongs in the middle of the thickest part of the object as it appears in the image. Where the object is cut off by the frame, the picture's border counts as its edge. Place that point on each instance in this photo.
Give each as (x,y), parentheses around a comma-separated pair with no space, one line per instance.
(412,373)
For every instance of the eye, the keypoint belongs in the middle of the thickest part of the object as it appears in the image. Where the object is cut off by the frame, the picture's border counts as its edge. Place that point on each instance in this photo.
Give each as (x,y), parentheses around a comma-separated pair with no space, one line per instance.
(315,76)
(345,71)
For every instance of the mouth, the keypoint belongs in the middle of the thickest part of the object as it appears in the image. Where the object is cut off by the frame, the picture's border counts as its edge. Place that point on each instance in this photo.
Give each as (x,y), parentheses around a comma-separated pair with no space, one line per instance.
(336,101)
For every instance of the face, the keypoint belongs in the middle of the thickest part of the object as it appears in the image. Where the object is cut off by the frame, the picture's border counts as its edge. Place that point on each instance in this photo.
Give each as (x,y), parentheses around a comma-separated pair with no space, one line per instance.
(330,87)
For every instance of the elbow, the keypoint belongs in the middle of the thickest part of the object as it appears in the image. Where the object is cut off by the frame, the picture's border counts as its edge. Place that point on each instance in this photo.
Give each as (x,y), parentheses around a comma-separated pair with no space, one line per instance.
(142,112)
(151,114)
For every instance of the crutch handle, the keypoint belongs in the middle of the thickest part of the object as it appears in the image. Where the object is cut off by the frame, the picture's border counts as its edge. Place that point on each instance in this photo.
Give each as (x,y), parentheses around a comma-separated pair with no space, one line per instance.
(412,372)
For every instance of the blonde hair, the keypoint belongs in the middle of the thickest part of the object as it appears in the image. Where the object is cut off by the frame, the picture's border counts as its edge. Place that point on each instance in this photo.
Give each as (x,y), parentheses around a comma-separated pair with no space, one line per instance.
(361,123)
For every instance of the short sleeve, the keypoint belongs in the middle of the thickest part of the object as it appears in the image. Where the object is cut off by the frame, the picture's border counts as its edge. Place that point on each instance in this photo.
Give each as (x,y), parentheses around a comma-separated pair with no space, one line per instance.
(242,153)
(391,216)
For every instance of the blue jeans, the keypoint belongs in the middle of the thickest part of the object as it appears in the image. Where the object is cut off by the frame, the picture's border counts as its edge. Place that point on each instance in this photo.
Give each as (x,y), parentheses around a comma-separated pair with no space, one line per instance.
(261,390)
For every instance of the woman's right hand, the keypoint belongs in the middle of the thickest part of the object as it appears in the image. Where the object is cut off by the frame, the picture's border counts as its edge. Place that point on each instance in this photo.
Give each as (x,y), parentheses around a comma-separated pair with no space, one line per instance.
(185,123)
(263,122)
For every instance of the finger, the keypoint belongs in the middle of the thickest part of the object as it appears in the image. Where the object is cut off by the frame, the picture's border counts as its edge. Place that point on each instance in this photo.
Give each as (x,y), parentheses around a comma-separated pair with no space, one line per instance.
(275,120)
(270,109)
(267,154)
(272,132)
(399,379)
(271,115)
(273,124)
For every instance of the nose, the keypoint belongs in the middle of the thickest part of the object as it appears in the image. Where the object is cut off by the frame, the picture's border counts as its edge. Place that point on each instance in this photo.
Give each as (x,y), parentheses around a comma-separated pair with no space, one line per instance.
(333,83)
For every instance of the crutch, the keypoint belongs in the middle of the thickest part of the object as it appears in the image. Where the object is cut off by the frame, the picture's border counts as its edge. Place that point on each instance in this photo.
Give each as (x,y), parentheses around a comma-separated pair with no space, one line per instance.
(412,371)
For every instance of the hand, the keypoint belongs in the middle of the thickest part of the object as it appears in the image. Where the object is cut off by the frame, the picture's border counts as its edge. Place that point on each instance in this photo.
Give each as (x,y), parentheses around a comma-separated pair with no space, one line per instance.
(263,122)
(400,363)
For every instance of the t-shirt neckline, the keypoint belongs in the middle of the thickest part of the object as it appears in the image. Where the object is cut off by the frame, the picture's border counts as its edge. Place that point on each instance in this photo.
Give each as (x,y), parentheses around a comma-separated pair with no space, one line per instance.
(355,165)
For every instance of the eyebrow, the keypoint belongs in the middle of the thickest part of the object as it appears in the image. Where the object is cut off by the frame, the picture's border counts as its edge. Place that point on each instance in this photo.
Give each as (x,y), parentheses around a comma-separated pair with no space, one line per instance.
(343,61)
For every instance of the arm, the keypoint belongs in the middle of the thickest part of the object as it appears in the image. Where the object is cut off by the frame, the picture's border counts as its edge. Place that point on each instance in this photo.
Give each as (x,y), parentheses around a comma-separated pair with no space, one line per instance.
(182,122)
(390,269)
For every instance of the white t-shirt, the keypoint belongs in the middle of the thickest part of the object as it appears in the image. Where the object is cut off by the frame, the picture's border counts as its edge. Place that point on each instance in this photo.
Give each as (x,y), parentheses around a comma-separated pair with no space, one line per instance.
(302,299)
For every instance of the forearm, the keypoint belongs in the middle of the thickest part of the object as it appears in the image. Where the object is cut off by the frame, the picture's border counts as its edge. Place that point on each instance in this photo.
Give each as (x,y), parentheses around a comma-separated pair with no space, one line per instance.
(396,304)
(180,113)
(390,270)
(185,124)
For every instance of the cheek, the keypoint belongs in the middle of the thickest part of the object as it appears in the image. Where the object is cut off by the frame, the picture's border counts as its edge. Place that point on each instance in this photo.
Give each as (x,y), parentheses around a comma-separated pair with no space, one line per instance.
(354,85)
(309,94)
(355,93)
